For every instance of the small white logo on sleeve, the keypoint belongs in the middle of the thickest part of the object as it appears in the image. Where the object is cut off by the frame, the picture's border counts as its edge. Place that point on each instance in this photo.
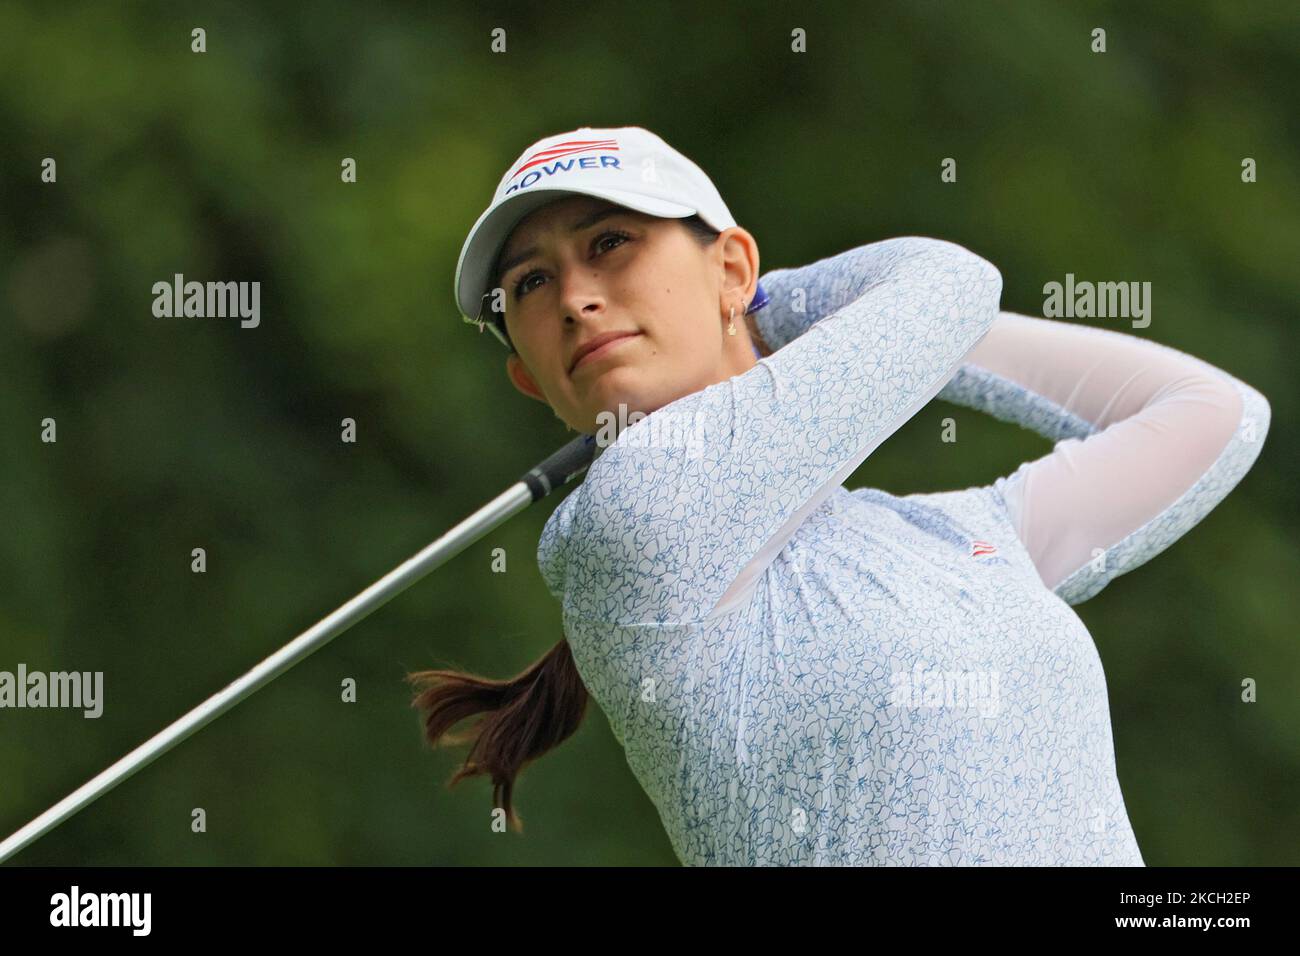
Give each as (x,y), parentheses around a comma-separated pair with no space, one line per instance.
(102,909)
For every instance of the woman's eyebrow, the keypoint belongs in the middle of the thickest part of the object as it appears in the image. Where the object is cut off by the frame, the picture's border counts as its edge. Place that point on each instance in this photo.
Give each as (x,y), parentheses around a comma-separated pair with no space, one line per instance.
(585,222)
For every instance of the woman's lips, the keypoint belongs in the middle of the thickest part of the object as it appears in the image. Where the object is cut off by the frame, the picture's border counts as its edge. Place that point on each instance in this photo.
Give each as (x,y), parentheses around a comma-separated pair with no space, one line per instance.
(604,349)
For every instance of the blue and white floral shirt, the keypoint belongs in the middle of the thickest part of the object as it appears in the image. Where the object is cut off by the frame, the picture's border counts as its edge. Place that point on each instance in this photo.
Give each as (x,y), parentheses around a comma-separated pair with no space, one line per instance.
(801,674)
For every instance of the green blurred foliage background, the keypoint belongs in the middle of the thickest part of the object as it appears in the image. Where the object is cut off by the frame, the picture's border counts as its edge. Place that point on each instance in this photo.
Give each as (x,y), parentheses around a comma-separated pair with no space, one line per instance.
(183,433)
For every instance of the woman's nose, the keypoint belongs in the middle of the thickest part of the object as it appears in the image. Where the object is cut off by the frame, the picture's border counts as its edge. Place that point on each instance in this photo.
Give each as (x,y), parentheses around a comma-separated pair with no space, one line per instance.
(581,290)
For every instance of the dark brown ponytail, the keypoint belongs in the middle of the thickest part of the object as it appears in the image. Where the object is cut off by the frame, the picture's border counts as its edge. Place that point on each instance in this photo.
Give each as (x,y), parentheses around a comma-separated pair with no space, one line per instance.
(523,717)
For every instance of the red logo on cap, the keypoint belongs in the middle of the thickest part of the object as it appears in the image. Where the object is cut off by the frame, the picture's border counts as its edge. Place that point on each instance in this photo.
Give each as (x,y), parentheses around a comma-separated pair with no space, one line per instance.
(570,147)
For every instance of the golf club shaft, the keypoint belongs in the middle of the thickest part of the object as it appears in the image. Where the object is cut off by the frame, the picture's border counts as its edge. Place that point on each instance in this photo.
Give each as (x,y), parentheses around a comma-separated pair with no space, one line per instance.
(559,468)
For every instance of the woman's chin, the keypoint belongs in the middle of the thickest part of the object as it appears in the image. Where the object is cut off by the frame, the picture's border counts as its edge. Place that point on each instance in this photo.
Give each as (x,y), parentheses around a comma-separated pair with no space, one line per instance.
(620,386)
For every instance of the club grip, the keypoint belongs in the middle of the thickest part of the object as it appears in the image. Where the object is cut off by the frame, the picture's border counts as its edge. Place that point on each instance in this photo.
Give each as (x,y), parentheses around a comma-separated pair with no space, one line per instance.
(560,467)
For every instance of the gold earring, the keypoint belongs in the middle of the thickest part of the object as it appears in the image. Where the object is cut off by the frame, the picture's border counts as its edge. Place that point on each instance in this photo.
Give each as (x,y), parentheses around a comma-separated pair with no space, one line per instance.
(731,321)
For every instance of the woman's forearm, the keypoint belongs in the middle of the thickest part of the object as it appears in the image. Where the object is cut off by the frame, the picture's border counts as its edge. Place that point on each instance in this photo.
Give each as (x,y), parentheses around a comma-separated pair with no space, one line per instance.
(1148,441)
(1064,380)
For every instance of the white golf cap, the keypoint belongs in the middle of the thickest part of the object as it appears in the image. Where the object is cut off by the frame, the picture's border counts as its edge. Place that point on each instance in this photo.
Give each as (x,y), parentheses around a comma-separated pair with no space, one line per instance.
(626,165)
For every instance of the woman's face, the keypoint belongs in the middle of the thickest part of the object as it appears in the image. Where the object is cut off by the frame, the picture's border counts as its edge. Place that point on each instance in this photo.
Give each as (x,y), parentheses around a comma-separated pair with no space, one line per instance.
(590,268)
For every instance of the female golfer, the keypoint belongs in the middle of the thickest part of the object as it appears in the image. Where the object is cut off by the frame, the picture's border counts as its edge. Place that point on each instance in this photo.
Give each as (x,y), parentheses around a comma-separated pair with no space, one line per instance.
(799,673)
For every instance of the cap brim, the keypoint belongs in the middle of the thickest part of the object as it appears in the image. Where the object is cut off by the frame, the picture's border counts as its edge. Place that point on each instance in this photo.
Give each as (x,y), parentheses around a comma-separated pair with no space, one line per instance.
(495,225)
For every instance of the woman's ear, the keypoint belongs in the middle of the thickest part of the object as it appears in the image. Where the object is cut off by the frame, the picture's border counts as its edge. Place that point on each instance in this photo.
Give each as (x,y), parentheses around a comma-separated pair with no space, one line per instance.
(739,264)
(522,379)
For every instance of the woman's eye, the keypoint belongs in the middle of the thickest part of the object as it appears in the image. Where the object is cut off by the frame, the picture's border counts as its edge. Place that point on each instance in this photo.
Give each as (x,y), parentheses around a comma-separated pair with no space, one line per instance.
(521,291)
(614,234)
(519,286)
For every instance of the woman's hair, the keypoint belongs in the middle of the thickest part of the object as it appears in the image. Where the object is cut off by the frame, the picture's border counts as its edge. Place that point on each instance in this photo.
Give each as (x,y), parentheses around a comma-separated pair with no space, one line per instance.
(703,233)
(521,718)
